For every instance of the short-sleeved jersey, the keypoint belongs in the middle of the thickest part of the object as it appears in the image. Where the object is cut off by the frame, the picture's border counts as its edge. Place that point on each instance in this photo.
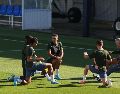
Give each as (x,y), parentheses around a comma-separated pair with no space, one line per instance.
(23,54)
(29,51)
(116,51)
(100,56)
(55,49)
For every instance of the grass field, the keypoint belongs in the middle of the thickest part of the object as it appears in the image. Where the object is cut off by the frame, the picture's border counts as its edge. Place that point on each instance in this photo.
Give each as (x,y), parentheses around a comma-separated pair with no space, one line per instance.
(71,70)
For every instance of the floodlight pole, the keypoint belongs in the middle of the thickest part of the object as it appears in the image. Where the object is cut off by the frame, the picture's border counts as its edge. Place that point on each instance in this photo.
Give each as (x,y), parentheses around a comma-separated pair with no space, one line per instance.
(9,2)
(86,18)
(36,3)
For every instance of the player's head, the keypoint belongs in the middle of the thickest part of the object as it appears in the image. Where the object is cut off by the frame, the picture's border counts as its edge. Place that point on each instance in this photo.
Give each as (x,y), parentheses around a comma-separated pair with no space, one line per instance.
(33,41)
(99,43)
(54,37)
(117,42)
(27,39)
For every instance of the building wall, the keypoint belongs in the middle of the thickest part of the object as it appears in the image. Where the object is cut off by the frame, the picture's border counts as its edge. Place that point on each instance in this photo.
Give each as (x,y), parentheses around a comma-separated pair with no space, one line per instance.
(36,19)
(106,10)
(118,7)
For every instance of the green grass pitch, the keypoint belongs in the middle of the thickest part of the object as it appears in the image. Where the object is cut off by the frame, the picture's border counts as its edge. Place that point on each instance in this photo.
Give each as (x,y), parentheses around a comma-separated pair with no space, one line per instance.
(11,43)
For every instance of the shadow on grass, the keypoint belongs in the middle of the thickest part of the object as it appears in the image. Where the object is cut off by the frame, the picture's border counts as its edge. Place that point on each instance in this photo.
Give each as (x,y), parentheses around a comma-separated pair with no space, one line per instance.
(62,86)
(5,85)
(37,77)
(71,85)
(78,78)
(4,80)
(114,77)
(8,85)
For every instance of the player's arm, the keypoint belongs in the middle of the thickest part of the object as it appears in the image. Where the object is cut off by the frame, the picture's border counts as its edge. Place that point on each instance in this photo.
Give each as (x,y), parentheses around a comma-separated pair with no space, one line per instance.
(91,56)
(116,52)
(109,58)
(50,54)
(29,56)
(29,53)
(30,59)
(49,51)
(61,53)
(94,62)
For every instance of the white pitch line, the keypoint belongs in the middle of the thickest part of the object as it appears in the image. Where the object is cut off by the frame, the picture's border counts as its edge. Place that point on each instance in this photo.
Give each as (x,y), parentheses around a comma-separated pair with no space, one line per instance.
(9,39)
(18,50)
(72,47)
(1,51)
(47,44)
(39,49)
(19,41)
(81,48)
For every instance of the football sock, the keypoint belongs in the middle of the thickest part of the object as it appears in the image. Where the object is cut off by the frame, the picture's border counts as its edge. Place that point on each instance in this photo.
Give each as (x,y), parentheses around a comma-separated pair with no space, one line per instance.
(84,77)
(47,75)
(57,71)
(52,78)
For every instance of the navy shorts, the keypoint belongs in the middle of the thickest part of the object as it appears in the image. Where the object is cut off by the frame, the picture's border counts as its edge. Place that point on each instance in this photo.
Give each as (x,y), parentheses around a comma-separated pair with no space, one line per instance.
(38,67)
(101,73)
(113,68)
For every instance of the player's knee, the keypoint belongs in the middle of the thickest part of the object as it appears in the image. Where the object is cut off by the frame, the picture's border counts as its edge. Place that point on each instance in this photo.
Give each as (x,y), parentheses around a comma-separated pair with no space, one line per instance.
(49,66)
(28,80)
(87,67)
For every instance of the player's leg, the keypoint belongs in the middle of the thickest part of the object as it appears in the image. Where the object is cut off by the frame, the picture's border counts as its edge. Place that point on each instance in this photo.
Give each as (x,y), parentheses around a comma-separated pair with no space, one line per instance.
(28,79)
(50,72)
(113,68)
(84,74)
(104,79)
(24,72)
(96,77)
(91,68)
(29,73)
(57,67)
(44,70)
(114,61)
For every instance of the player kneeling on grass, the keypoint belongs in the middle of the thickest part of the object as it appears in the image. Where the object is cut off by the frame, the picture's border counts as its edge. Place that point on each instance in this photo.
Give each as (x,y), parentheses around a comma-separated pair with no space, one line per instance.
(27,42)
(115,65)
(101,56)
(32,63)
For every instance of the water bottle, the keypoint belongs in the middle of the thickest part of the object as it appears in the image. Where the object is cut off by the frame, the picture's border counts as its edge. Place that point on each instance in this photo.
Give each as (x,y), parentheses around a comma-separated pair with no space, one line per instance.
(15,81)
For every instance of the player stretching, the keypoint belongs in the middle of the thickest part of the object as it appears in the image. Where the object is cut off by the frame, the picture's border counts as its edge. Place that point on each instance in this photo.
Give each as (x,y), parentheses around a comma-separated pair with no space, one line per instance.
(101,56)
(33,64)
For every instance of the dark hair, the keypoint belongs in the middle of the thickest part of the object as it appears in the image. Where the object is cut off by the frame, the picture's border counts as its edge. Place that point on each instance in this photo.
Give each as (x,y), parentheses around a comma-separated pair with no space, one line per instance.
(99,42)
(33,40)
(27,39)
(36,38)
(54,34)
